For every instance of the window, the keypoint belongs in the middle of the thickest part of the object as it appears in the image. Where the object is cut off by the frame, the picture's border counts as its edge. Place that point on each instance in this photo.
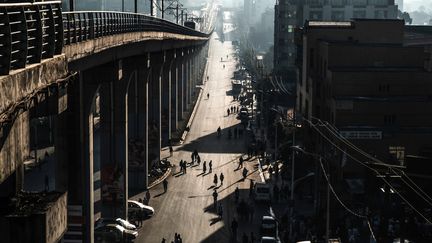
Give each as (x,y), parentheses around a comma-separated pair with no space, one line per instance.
(315,15)
(290,28)
(397,154)
(389,119)
(359,14)
(380,14)
(337,15)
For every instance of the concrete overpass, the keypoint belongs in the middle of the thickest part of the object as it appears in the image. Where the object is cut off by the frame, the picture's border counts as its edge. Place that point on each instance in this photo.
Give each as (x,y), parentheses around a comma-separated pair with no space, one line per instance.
(104,81)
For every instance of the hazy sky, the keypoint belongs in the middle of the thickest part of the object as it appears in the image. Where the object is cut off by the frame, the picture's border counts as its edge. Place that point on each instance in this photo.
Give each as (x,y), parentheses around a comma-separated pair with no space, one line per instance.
(412,5)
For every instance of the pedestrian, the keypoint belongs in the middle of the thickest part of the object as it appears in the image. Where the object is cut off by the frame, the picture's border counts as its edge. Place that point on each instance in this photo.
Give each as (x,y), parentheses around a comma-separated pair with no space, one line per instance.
(234,226)
(208,96)
(181,166)
(228,111)
(180,240)
(163,240)
(240,162)
(251,186)
(147,195)
(184,166)
(245,171)
(204,167)
(171,150)
(175,237)
(238,109)
(220,211)
(237,194)
(245,238)
(270,170)
(193,157)
(165,185)
(215,196)
(198,159)
(215,179)
(221,177)
(210,166)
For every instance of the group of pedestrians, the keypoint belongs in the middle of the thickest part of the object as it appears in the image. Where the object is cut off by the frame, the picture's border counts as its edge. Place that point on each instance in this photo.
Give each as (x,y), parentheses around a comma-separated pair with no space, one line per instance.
(232,110)
(221,178)
(237,132)
(177,239)
(195,157)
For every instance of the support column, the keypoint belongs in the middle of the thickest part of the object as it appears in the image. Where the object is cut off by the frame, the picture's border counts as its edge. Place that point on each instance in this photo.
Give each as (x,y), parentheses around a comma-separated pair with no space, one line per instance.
(157,66)
(166,98)
(174,94)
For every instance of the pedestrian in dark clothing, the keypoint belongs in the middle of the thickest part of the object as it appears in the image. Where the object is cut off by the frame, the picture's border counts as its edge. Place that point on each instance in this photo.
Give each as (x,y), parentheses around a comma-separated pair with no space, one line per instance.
(236,194)
(192,157)
(221,177)
(251,186)
(175,237)
(198,159)
(147,196)
(215,196)
(234,226)
(245,238)
(240,165)
(204,167)
(215,179)
(165,185)
(228,112)
(163,240)
(245,171)
(210,166)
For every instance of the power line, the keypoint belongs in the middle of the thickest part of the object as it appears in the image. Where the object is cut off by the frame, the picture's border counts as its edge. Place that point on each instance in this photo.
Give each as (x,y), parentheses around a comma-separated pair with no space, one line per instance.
(374,170)
(335,132)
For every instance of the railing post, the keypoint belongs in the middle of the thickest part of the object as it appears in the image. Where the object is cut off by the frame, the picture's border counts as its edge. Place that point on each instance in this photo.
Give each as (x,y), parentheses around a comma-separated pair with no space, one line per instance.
(6,47)
(91,25)
(50,33)
(58,27)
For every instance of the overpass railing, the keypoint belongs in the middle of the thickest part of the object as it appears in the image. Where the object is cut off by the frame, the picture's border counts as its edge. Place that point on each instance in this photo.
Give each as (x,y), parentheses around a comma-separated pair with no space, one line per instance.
(30,32)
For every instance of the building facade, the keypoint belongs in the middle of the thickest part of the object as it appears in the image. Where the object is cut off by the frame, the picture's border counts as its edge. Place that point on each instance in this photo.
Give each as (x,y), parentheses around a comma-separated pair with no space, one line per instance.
(291,14)
(372,79)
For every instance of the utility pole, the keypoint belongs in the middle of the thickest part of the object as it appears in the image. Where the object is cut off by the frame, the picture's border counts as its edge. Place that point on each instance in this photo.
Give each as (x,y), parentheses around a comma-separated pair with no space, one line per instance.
(162,9)
(136,6)
(328,209)
(177,14)
(151,7)
(71,5)
(123,6)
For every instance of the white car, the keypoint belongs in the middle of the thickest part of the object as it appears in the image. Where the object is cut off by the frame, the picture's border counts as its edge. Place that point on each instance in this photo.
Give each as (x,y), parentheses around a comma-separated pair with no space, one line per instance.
(126,224)
(135,207)
(114,233)
(269,227)
(267,239)
(262,192)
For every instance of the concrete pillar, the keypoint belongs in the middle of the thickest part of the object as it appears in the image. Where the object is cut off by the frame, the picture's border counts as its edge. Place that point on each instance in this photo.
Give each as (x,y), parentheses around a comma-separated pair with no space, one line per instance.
(157,66)
(175,93)
(166,97)
(186,84)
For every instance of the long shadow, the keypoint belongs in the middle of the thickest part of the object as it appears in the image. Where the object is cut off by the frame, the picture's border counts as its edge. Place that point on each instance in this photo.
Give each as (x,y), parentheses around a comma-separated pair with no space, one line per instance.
(212,144)
(160,194)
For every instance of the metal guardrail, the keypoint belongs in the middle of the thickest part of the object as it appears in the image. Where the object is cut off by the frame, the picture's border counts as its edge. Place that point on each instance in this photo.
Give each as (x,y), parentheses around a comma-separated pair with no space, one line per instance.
(30,32)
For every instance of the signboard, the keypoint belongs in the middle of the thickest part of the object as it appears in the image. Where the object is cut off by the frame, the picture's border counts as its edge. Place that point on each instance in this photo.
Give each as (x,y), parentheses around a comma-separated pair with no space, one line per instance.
(374,135)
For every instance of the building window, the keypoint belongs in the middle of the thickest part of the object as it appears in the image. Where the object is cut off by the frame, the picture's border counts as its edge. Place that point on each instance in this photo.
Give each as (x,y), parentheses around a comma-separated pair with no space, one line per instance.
(315,15)
(337,15)
(397,154)
(359,14)
(389,119)
(290,28)
(380,14)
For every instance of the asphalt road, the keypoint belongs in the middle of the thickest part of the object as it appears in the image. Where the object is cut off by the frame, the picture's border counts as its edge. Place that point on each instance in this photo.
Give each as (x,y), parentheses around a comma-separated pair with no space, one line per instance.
(187,206)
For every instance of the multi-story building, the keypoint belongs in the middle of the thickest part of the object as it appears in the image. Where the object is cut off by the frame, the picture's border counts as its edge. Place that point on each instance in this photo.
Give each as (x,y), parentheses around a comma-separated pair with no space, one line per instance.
(291,14)
(372,79)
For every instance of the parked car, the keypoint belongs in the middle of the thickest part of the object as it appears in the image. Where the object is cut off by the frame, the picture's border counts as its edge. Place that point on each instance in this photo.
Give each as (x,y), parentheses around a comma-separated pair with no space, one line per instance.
(262,192)
(114,233)
(126,224)
(267,239)
(136,208)
(269,226)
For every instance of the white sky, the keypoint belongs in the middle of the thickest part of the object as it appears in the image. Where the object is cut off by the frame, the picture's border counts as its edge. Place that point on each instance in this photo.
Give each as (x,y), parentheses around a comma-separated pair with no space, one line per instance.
(412,5)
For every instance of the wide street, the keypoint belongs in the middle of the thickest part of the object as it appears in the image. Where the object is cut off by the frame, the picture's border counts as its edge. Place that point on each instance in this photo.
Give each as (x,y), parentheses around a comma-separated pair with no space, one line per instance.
(187,207)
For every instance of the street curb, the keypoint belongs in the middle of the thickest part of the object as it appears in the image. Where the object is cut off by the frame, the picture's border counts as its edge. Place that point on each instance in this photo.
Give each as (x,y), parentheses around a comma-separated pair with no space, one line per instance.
(198,101)
(158,181)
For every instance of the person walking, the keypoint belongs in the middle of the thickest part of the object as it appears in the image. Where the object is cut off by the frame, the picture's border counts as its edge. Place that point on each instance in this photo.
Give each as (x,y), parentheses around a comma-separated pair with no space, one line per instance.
(163,240)
(171,150)
(181,166)
(245,171)
(215,196)
(192,157)
(204,167)
(147,196)
(240,165)
(228,111)
(208,96)
(237,194)
(198,159)
(215,179)
(165,185)
(210,166)
(221,177)
(234,226)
